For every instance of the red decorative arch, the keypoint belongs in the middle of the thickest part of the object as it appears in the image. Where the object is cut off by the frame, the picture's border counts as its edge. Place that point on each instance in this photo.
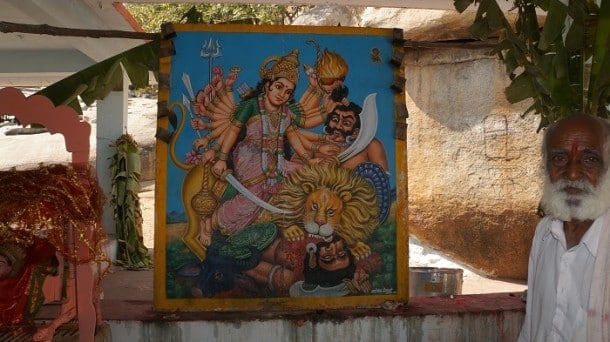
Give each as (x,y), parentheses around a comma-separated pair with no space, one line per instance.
(82,238)
(61,119)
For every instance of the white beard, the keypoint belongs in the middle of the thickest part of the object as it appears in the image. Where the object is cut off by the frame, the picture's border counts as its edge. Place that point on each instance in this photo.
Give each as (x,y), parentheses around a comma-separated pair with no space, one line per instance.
(589,205)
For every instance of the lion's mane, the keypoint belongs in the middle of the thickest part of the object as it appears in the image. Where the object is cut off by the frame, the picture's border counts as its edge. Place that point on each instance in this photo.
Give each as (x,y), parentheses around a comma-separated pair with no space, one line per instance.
(360,213)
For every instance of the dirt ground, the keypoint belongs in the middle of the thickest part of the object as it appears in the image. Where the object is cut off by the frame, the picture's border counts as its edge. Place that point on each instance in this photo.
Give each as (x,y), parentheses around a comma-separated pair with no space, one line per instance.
(147,204)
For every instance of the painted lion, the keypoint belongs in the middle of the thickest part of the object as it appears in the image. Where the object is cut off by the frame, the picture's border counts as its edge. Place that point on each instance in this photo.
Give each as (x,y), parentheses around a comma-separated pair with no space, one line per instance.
(325,200)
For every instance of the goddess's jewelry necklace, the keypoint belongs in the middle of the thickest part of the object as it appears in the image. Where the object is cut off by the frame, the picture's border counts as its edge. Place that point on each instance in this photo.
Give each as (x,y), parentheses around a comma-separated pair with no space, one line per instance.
(272,142)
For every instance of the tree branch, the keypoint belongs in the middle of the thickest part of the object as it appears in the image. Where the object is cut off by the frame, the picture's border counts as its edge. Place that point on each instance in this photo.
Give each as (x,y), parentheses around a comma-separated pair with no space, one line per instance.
(6,27)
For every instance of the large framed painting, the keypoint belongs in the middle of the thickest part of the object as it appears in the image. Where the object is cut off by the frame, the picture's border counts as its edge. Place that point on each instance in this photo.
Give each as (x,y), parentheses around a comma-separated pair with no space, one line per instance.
(276,182)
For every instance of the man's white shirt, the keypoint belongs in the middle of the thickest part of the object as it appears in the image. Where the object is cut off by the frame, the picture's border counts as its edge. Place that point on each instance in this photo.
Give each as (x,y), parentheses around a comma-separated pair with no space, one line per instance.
(558,283)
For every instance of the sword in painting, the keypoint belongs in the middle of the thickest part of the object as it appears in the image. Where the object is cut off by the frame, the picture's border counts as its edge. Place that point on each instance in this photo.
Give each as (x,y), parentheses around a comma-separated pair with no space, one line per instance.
(252,197)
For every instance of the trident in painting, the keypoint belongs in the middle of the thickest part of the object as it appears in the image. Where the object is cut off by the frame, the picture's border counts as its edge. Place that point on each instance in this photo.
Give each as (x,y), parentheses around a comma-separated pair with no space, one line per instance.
(209,51)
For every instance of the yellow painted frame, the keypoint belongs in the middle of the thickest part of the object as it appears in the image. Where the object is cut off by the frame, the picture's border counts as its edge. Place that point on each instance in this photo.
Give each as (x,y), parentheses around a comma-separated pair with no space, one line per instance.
(162,302)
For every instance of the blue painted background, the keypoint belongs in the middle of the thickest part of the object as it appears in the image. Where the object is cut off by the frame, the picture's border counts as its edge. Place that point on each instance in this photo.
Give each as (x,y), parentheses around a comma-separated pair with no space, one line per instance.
(249,49)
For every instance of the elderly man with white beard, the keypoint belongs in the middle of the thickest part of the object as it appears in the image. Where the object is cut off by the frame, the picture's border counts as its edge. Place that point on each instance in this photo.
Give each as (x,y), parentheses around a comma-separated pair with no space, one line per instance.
(568,282)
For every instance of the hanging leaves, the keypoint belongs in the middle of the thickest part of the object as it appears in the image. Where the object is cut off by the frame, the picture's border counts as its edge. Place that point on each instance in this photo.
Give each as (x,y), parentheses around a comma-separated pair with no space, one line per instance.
(97,81)
(126,169)
(600,77)
(557,63)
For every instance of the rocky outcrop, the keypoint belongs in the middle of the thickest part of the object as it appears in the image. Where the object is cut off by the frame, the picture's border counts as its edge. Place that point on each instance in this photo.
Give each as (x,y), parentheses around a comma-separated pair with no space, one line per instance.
(329,16)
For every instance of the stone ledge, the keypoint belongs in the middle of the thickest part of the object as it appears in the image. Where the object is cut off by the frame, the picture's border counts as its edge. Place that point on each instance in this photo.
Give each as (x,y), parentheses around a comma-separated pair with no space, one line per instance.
(142,310)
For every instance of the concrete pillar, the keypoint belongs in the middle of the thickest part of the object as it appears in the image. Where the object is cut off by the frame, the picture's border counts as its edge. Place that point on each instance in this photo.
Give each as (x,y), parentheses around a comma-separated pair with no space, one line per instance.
(111,124)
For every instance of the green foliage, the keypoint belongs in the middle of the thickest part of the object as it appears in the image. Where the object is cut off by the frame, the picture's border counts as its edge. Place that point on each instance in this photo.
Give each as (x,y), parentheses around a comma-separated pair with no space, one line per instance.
(178,255)
(151,16)
(383,241)
(125,170)
(97,81)
(560,66)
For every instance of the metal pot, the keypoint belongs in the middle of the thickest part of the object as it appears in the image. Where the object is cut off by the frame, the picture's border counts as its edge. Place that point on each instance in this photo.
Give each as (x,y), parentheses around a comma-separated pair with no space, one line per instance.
(433,281)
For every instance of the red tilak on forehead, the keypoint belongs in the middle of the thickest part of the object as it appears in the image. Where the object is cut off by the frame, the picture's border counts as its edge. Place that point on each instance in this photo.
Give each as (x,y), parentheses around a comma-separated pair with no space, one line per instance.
(574,147)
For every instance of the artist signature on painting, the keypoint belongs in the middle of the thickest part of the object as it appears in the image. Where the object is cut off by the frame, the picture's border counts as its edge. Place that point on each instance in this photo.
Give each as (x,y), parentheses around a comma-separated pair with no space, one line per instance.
(383,291)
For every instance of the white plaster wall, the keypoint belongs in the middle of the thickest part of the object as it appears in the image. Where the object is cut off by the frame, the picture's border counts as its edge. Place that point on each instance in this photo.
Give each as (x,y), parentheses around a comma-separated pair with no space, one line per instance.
(501,326)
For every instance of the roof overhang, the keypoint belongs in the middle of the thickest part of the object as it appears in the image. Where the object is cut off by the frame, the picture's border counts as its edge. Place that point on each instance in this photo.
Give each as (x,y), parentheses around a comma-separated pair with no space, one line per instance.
(28,59)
